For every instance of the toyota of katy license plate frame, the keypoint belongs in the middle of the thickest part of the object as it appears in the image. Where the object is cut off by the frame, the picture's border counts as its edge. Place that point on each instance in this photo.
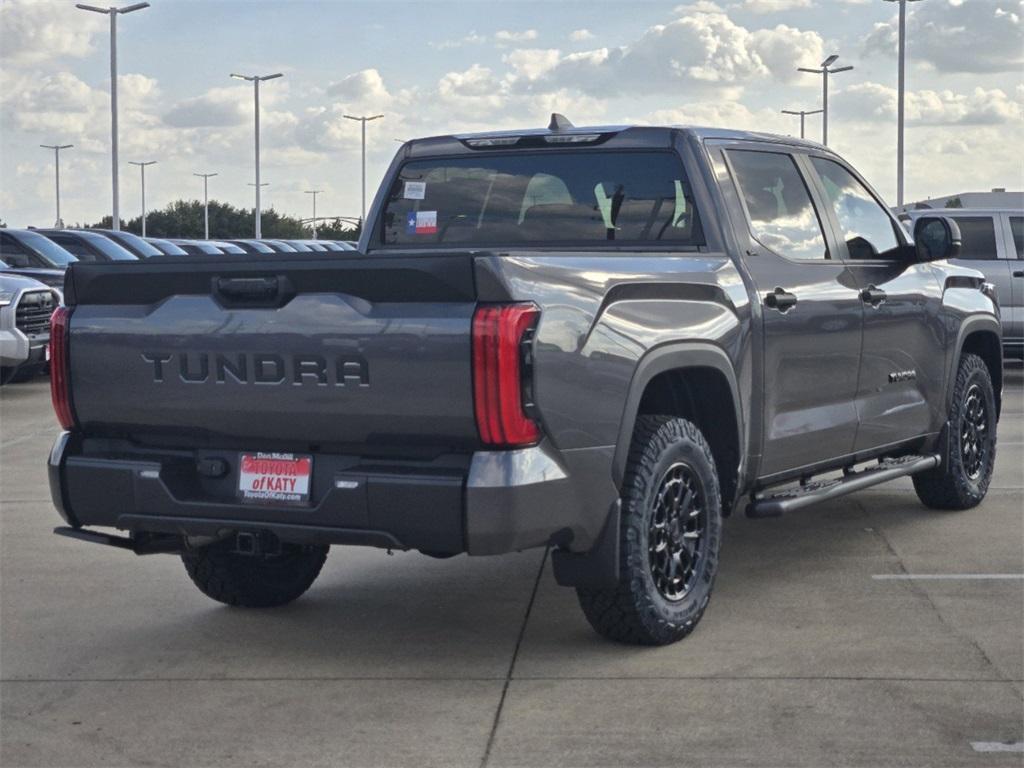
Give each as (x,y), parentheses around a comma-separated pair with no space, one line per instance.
(275,478)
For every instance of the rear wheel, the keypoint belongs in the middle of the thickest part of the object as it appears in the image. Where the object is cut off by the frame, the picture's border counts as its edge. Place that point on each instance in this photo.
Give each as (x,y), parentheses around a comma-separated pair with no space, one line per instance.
(254,581)
(962,482)
(669,538)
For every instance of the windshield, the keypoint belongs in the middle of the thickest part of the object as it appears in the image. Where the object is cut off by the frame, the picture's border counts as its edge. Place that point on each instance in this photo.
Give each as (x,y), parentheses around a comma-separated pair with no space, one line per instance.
(108,248)
(134,243)
(542,198)
(46,249)
(167,247)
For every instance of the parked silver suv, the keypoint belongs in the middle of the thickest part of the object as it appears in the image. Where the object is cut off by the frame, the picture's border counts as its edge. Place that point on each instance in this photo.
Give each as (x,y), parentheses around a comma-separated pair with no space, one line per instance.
(993,243)
(25,309)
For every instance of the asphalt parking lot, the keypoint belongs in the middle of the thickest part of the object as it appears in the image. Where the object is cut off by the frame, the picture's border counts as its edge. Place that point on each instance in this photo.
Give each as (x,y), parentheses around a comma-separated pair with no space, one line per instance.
(805,657)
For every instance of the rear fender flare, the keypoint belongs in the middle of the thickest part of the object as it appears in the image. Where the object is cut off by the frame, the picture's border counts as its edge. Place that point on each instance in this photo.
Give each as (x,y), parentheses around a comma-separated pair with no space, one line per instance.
(669,357)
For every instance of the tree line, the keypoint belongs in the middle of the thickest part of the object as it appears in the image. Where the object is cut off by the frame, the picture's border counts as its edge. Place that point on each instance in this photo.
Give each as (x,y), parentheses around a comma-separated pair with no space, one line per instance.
(184,218)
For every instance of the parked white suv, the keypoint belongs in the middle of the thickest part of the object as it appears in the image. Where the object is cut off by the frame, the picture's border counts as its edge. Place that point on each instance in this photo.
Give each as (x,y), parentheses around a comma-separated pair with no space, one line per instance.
(993,242)
(25,309)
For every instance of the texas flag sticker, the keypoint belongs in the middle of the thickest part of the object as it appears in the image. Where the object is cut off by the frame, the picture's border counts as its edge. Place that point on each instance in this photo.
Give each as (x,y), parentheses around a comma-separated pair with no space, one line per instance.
(421,223)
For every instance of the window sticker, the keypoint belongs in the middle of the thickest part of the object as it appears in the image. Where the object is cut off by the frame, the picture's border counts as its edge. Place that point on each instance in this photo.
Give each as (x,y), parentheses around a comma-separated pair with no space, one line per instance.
(421,223)
(414,190)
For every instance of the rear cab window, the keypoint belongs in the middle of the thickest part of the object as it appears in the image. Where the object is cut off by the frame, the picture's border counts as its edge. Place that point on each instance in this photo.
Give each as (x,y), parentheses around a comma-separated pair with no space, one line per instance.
(543,198)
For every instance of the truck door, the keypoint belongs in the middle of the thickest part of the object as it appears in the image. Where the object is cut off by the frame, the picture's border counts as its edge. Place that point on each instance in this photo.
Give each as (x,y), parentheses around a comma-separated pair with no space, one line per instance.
(1013,331)
(902,371)
(810,312)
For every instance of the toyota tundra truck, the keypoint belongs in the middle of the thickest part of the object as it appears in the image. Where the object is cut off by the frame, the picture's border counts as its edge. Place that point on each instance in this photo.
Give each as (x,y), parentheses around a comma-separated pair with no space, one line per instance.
(602,341)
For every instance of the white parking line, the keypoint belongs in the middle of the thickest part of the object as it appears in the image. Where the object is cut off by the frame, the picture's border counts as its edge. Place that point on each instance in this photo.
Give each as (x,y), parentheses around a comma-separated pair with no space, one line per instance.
(946,576)
(998,746)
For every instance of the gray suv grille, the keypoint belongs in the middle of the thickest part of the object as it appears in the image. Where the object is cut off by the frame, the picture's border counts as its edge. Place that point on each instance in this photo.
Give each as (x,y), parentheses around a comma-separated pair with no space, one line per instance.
(34,310)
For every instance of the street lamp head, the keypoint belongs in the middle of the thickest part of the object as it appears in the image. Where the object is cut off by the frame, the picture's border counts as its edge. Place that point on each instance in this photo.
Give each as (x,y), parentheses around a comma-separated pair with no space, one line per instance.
(840,69)
(812,71)
(92,8)
(134,7)
(830,60)
(240,77)
(271,77)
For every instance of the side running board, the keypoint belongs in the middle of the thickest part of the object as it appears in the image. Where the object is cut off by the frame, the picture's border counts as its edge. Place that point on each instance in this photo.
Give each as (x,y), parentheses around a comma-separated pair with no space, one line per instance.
(774,505)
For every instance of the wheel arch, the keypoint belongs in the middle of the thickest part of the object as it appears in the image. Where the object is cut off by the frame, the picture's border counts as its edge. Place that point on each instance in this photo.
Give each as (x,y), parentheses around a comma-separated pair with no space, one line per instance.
(979,336)
(696,381)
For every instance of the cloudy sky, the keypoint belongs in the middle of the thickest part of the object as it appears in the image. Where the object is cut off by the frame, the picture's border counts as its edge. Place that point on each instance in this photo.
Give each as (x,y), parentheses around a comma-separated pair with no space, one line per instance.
(435,67)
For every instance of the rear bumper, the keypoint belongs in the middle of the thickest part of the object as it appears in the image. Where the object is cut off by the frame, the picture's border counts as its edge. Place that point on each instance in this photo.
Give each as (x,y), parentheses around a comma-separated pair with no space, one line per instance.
(481,503)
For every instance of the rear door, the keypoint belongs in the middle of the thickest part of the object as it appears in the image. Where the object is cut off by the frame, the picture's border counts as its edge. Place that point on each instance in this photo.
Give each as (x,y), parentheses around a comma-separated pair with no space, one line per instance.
(902,365)
(1013,313)
(984,248)
(811,312)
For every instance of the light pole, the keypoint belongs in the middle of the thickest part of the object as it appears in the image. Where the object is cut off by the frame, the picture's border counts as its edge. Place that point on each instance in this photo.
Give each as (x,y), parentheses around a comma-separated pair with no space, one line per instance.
(314,193)
(256,80)
(364,120)
(142,167)
(803,114)
(56,169)
(825,71)
(206,203)
(113,13)
(259,231)
(900,92)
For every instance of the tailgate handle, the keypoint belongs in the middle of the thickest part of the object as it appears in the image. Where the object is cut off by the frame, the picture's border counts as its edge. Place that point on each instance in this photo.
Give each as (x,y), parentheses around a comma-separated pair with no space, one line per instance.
(250,291)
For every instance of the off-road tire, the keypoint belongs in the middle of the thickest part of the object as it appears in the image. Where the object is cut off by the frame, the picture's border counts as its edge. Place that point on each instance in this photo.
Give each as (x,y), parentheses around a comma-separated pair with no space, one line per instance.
(950,485)
(634,610)
(254,581)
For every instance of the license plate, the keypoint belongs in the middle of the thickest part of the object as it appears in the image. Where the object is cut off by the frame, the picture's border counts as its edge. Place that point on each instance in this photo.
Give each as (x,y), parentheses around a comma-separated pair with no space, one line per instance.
(274,478)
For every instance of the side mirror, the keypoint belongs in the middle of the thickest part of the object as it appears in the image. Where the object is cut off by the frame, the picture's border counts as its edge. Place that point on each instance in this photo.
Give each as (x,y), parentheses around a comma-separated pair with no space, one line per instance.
(936,238)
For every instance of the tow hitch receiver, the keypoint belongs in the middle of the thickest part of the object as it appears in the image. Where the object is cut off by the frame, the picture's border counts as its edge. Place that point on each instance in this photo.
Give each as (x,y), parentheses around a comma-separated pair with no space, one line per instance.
(141,544)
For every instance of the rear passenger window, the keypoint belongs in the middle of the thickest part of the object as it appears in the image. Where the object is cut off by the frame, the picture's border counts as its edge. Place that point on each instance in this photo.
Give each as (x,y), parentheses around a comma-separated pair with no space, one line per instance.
(1017,230)
(782,216)
(866,227)
(978,235)
(542,198)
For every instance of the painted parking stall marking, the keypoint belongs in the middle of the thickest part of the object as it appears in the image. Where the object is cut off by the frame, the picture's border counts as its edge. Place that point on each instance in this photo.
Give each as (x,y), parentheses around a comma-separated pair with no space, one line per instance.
(997,746)
(948,576)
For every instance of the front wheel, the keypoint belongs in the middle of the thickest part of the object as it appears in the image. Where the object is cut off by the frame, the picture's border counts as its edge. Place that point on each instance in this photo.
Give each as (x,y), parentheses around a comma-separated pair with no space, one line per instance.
(669,538)
(962,482)
(254,581)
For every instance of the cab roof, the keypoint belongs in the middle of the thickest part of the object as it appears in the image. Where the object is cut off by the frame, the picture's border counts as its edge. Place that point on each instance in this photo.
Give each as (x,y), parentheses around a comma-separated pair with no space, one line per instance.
(621,136)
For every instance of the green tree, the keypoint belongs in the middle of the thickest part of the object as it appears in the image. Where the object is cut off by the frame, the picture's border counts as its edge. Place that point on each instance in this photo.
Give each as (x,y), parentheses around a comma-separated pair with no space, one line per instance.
(954,202)
(184,218)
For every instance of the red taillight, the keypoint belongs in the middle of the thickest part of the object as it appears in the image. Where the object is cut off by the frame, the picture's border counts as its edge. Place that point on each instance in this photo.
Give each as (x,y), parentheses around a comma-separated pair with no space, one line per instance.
(498,374)
(60,383)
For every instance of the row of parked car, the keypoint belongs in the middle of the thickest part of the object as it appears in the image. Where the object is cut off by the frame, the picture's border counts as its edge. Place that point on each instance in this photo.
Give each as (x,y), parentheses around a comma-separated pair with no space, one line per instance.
(32,265)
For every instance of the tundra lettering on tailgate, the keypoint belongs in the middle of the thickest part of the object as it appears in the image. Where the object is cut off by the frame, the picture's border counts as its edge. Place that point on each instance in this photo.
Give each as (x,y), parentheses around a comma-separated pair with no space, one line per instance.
(350,370)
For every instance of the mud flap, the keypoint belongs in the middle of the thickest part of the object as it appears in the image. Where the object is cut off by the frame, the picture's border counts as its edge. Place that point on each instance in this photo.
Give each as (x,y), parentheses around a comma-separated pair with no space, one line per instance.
(598,568)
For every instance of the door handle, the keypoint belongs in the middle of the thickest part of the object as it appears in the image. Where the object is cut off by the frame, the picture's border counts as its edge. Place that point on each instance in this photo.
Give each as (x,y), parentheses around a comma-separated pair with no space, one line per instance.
(872,295)
(780,299)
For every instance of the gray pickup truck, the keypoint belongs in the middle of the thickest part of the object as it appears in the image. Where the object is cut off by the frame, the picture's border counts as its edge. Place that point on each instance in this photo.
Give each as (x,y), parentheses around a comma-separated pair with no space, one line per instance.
(599,340)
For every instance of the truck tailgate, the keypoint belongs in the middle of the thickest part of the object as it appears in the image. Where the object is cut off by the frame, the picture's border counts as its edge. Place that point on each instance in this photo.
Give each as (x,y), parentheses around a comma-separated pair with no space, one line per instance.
(316,352)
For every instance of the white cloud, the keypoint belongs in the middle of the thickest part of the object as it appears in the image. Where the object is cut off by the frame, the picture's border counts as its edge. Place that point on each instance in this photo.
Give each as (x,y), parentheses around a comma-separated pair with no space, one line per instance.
(980,36)
(34,31)
(225,106)
(471,39)
(531,63)
(873,101)
(365,88)
(579,35)
(511,36)
(700,50)
(774,6)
